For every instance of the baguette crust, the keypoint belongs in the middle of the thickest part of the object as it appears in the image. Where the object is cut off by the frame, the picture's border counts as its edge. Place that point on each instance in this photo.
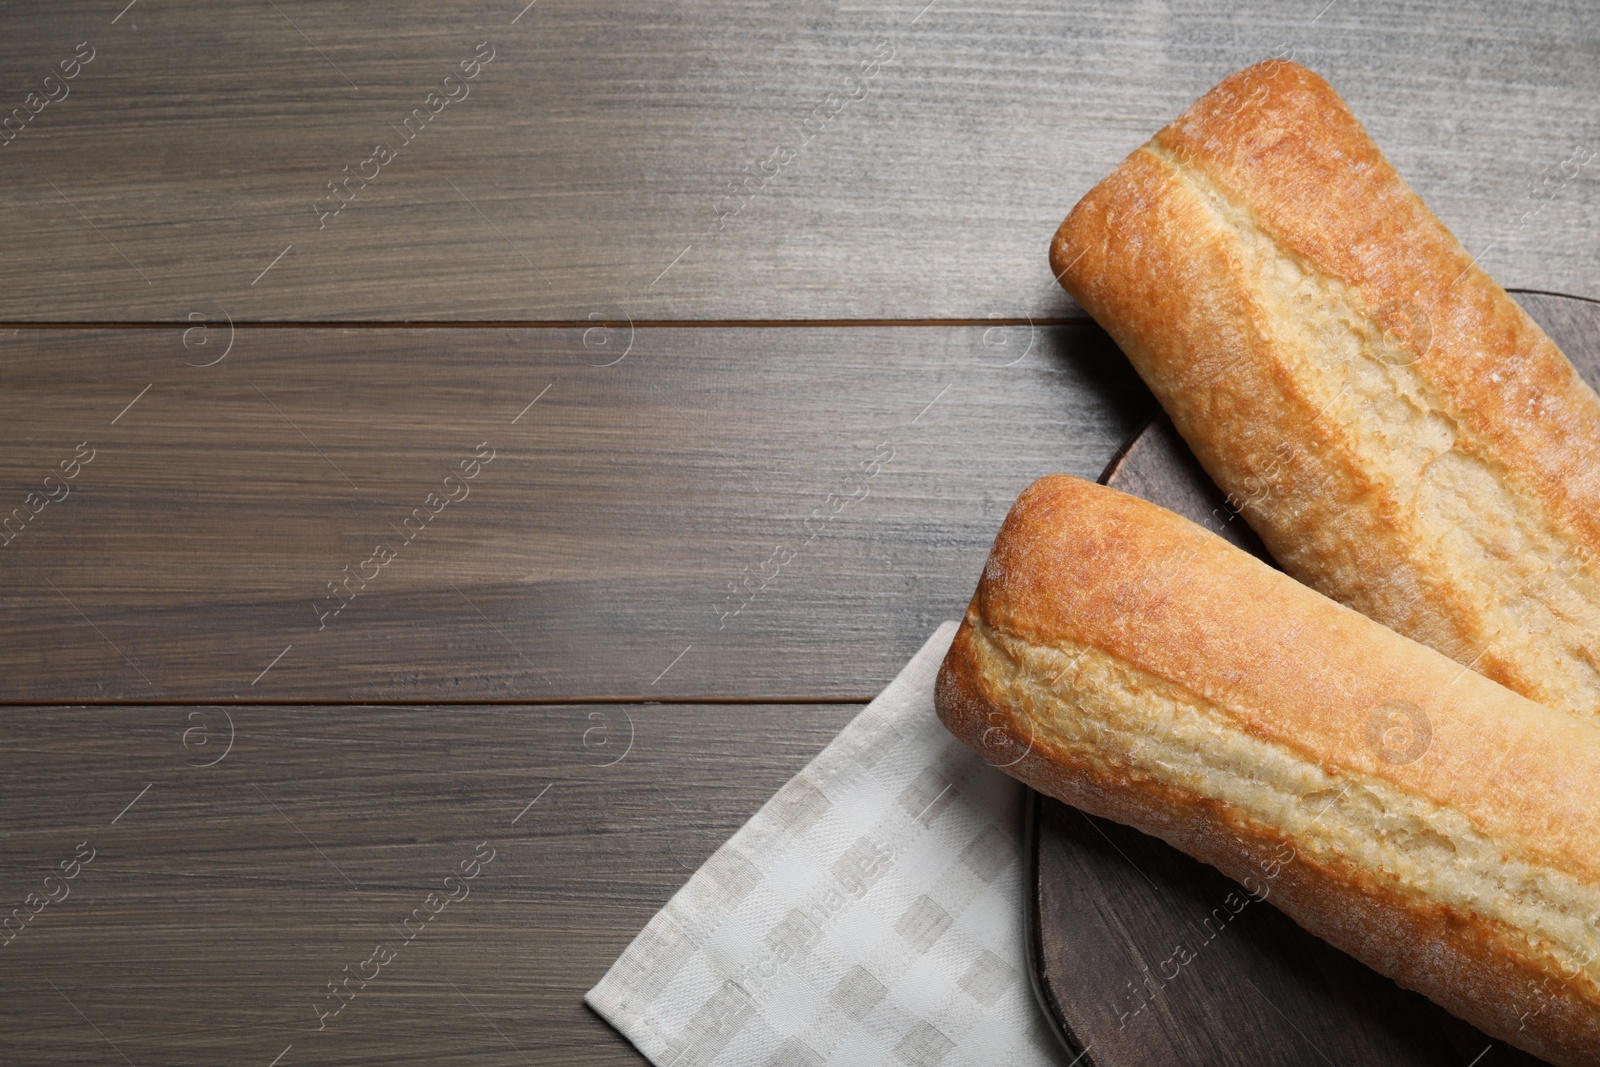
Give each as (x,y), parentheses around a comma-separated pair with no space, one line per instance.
(1149,672)
(1400,433)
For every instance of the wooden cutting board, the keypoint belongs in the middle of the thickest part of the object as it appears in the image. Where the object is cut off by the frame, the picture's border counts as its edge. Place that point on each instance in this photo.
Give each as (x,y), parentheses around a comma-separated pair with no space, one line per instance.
(1143,957)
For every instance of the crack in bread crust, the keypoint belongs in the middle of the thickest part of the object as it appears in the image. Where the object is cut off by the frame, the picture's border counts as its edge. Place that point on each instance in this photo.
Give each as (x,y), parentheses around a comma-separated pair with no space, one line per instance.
(1401,434)
(1120,722)
(1465,513)
(1122,659)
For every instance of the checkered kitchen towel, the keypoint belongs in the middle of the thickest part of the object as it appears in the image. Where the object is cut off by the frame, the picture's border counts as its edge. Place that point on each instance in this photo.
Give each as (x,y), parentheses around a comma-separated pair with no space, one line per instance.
(870,913)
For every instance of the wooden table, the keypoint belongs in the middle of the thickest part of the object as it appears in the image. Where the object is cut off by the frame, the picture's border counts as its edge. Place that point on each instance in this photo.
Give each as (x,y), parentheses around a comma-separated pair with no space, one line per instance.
(533,431)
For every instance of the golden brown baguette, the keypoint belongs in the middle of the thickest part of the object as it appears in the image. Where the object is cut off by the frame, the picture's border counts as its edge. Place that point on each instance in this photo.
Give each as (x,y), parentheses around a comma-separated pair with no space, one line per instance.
(1428,821)
(1400,433)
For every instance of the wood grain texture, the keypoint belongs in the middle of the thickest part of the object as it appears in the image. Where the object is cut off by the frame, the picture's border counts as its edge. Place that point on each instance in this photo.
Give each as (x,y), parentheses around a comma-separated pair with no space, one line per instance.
(590,178)
(658,526)
(219,905)
(720,513)
(703,159)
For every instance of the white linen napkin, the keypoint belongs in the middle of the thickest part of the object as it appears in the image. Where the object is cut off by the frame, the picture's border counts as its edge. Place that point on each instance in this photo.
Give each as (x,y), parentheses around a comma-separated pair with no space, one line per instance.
(869,913)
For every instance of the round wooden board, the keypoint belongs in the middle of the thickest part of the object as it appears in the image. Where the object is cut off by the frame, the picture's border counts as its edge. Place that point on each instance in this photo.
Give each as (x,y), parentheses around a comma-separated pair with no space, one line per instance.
(1143,957)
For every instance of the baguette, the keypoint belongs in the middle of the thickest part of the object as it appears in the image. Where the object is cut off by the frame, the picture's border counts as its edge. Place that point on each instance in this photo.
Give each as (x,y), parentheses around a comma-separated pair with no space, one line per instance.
(1428,821)
(1403,437)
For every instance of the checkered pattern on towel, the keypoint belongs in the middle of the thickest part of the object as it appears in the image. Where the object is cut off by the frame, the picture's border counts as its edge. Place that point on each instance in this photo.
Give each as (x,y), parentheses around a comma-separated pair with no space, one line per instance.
(870,913)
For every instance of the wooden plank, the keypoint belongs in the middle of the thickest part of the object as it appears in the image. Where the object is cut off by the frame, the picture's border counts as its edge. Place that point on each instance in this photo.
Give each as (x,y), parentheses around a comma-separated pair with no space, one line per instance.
(703,159)
(753,513)
(846,482)
(229,886)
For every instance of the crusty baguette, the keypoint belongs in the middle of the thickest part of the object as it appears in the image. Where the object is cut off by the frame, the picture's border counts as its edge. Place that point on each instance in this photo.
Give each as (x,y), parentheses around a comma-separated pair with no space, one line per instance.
(1400,433)
(1428,821)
